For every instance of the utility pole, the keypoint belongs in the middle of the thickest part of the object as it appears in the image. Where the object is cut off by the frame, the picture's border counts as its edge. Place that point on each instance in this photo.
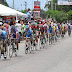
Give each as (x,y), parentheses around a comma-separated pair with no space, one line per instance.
(47,4)
(55,6)
(51,4)
(13,4)
(25,5)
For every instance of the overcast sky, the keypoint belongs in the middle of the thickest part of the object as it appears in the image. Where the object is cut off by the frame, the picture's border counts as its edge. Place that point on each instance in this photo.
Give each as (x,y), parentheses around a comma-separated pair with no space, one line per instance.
(30,4)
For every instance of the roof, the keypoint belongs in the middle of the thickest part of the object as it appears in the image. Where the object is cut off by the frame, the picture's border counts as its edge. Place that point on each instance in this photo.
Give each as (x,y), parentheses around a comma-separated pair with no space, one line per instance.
(6,11)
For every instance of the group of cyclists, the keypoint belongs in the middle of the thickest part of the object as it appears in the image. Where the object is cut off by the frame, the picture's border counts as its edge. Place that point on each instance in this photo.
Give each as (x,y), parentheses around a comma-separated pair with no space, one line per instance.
(35,31)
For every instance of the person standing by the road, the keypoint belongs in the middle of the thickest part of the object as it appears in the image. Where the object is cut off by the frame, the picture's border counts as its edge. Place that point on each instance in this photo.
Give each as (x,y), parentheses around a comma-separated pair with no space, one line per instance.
(11,22)
(18,27)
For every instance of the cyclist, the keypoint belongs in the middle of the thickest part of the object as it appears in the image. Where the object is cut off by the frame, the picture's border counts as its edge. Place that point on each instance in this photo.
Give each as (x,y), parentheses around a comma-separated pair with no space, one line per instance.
(34,30)
(41,31)
(50,29)
(3,36)
(14,34)
(28,32)
(46,30)
(59,28)
(69,29)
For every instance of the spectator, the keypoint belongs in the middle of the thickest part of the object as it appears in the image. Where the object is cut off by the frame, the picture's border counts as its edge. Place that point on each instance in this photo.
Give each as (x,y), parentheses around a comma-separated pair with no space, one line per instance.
(11,22)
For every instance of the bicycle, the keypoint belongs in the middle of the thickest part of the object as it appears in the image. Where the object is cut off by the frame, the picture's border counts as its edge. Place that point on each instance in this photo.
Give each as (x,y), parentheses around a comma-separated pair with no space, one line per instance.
(34,42)
(12,47)
(69,32)
(27,45)
(46,39)
(50,38)
(42,41)
(2,48)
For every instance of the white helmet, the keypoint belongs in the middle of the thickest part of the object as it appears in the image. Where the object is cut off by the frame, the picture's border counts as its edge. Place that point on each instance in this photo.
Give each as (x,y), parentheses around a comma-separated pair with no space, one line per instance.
(0,31)
(1,23)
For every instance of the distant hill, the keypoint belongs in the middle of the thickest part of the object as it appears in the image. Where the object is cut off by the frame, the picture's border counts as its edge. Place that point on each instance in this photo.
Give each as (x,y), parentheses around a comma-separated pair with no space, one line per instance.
(3,2)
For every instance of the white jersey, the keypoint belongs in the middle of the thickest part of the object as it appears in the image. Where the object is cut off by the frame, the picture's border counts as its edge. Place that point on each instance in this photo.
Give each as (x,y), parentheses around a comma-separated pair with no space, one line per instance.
(18,27)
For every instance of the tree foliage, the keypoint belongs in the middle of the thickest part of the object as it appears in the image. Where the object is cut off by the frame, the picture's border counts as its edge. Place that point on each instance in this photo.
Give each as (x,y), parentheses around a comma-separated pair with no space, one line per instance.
(69,15)
(4,3)
(24,11)
(64,8)
(58,15)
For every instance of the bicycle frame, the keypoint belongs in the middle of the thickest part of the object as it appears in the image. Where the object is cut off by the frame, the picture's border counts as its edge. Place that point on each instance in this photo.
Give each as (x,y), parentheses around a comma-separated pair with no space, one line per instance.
(27,45)
(12,43)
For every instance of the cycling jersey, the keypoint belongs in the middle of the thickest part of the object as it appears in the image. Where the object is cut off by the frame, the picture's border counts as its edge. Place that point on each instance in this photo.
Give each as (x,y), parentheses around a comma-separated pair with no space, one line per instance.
(59,27)
(3,35)
(69,27)
(54,28)
(14,33)
(34,29)
(42,30)
(28,33)
(23,28)
(50,30)
(46,28)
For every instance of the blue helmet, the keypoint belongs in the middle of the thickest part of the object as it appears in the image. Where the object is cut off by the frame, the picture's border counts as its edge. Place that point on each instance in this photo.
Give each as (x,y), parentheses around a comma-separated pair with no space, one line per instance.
(27,26)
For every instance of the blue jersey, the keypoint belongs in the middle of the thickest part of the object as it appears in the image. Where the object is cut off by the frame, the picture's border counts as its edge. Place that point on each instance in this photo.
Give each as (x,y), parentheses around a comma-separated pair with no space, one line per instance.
(14,33)
(50,30)
(46,29)
(59,27)
(4,35)
(69,27)
(28,33)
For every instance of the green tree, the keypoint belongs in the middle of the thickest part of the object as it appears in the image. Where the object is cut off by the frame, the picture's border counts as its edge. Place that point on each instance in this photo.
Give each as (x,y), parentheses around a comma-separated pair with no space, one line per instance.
(24,11)
(42,14)
(4,3)
(69,15)
(64,8)
(58,15)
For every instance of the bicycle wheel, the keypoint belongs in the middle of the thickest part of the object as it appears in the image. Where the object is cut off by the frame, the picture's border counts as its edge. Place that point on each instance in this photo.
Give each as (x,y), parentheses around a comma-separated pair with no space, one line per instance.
(15,50)
(40,43)
(11,50)
(26,50)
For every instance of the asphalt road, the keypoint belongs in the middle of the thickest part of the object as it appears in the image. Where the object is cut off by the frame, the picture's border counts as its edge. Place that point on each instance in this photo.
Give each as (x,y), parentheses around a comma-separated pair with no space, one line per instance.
(53,58)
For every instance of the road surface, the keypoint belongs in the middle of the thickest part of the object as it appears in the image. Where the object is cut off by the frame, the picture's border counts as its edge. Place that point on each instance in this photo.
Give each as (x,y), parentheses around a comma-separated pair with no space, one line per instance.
(53,58)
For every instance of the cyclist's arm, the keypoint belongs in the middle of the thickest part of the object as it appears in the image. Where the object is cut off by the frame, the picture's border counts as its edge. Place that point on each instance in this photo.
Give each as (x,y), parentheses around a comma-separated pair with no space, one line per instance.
(36,32)
(44,32)
(31,33)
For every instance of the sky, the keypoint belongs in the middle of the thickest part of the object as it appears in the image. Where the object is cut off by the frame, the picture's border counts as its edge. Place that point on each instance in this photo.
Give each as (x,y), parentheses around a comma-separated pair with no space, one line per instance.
(19,4)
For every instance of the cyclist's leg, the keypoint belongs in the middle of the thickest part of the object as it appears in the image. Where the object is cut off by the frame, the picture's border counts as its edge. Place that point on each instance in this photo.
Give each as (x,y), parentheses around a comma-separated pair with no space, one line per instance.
(17,44)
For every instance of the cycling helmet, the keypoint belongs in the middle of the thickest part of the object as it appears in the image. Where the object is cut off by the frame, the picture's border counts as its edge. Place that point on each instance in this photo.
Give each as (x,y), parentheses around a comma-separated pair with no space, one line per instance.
(12,27)
(27,26)
(0,31)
